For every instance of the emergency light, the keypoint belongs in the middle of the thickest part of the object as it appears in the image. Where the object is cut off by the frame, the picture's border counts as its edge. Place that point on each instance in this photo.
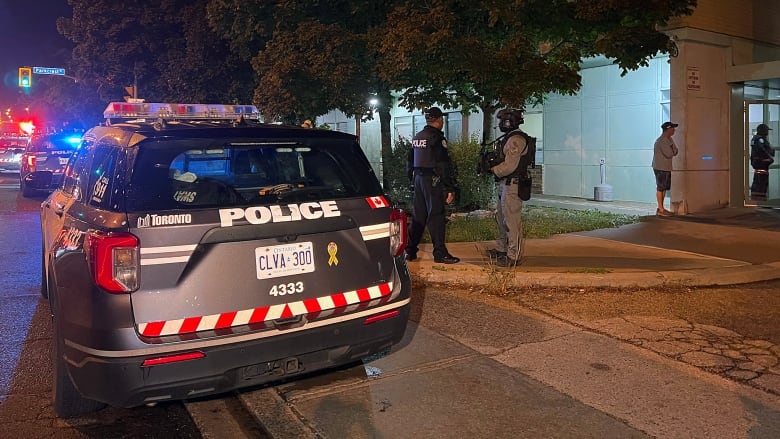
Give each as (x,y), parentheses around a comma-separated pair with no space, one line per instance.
(154,110)
(73,140)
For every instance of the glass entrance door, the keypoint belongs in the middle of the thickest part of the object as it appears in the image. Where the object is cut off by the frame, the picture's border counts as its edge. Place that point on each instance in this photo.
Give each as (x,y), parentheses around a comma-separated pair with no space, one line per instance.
(762,112)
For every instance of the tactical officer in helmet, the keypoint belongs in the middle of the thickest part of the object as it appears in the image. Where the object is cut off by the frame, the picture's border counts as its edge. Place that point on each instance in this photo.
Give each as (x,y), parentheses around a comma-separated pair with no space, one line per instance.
(510,230)
(761,156)
(429,165)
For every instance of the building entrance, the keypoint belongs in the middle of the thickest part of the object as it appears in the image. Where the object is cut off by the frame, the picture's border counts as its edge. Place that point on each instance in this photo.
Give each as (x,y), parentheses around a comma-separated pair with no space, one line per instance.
(762,112)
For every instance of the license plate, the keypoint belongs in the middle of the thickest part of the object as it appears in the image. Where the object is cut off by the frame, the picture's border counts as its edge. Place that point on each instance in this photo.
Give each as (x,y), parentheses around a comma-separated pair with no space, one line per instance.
(284,260)
(63,161)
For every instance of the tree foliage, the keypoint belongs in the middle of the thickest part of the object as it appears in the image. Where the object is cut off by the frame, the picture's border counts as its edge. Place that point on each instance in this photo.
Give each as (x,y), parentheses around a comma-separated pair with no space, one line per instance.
(165,47)
(300,59)
(492,53)
(310,56)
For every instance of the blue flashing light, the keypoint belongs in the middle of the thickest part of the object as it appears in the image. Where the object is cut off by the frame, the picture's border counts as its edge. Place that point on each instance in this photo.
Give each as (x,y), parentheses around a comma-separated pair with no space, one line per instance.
(73,140)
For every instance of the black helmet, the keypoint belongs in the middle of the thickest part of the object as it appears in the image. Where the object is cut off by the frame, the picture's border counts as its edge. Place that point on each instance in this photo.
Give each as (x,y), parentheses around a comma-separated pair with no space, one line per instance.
(510,119)
(763,129)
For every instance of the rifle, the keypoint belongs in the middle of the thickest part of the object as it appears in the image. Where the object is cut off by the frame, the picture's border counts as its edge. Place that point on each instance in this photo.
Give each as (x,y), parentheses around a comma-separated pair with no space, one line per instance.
(490,154)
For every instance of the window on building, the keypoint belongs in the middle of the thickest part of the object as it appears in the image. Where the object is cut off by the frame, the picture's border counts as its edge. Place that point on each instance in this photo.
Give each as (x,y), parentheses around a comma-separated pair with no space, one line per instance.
(666,106)
(407,126)
(403,127)
(453,128)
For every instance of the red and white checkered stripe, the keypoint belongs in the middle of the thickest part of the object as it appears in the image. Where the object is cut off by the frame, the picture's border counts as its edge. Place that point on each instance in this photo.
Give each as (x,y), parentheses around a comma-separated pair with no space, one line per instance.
(261,317)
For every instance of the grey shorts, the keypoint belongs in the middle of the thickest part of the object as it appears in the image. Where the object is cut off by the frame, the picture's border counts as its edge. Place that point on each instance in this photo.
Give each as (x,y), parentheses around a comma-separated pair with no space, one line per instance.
(663,180)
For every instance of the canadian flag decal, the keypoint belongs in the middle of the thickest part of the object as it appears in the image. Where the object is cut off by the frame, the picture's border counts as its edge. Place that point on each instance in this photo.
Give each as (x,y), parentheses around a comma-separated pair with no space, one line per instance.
(377,202)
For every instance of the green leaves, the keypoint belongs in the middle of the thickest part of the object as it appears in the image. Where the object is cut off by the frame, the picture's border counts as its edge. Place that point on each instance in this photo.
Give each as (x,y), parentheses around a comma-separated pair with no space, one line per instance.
(299,59)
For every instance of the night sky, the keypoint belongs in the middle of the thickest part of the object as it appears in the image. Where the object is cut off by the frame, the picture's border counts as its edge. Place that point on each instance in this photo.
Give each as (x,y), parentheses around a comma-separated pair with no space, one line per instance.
(29,37)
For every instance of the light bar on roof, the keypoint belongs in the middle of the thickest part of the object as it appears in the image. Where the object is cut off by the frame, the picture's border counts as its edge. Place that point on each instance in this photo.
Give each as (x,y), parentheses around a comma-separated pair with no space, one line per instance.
(154,110)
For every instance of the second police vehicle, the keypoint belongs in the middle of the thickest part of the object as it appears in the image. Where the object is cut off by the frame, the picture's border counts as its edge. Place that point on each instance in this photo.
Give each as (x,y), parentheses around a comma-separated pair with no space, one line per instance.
(44,160)
(188,253)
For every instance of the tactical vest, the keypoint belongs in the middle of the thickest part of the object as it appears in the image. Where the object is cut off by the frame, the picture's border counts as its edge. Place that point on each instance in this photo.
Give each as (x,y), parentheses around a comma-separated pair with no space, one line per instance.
(423,143)
(527,159)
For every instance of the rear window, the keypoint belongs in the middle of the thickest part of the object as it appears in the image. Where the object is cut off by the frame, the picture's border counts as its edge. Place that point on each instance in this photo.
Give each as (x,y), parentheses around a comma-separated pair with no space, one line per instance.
(59,142)
(191,173)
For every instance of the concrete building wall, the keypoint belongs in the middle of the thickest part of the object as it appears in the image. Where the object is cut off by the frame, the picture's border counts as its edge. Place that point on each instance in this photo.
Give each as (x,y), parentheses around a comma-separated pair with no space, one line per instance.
(612,118)
(753,20)
(700,104)
(724,44)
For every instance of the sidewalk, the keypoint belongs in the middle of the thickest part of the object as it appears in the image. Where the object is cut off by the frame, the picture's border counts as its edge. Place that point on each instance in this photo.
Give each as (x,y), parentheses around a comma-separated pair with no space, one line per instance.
(722,247)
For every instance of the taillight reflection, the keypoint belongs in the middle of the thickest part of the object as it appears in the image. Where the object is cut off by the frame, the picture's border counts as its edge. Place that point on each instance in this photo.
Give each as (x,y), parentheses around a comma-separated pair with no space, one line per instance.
(195,355)
(398,232)
(113,260)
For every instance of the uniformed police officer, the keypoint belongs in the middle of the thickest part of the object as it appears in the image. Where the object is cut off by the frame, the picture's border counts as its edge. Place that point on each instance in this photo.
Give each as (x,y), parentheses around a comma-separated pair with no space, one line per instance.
(510,204)
(761,156)
(434,185)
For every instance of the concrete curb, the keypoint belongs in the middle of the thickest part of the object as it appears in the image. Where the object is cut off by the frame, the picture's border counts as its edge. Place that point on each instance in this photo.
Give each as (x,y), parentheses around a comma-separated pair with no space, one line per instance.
(470,274)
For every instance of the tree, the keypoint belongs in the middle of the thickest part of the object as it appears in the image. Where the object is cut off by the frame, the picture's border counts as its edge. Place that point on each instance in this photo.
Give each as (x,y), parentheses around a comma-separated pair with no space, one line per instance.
(166,47)
(310,56)
(489,54)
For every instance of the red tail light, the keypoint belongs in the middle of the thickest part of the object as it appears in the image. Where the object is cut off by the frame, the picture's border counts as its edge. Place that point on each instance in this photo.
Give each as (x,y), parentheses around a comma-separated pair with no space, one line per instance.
(113,260)
(379,317)
(398,232)
(31,162)
(173,358)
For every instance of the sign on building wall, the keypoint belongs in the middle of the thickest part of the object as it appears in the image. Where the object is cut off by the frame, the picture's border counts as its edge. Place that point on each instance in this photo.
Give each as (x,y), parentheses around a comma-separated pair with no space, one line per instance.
(692,78)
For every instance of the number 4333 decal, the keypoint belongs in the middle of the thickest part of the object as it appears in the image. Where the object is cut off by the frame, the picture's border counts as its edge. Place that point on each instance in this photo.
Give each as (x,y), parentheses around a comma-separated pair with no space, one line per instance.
(285,289)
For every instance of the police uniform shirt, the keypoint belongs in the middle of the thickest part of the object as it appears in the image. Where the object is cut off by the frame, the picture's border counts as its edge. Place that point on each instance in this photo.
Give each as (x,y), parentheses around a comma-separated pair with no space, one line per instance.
(762,150)
(429,151)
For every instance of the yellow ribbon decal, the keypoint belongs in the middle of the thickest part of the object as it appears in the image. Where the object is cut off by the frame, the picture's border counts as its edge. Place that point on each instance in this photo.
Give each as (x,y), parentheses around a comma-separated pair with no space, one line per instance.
(332,250)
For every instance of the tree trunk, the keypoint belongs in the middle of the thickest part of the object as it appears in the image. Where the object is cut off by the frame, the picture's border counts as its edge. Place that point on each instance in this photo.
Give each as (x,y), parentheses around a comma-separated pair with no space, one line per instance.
(487,121)
(386,103)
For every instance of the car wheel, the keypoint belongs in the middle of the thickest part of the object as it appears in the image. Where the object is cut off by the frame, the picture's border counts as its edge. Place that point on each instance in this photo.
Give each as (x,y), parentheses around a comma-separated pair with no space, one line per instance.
(44,277)
(26,190)
(68,402)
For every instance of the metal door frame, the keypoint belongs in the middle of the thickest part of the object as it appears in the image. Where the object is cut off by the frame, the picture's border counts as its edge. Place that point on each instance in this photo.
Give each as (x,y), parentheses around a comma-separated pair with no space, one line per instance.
(746,136)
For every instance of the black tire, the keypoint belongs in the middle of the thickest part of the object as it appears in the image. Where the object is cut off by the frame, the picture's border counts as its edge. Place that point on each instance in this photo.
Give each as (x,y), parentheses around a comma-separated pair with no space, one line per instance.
(44,277)
(27,192)
(67,401)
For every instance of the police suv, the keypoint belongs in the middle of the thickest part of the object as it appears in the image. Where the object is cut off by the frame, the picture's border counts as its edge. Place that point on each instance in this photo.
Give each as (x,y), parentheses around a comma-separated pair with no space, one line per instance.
(44,161)
(191,250)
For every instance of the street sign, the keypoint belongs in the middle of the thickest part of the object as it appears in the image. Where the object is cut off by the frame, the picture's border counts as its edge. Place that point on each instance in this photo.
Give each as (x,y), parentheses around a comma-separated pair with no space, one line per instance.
(48,71)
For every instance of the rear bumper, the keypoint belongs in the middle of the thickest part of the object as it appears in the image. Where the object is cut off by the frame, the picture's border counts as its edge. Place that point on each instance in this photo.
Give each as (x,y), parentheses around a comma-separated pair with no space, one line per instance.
(42,180)
(9,167)
(122,381)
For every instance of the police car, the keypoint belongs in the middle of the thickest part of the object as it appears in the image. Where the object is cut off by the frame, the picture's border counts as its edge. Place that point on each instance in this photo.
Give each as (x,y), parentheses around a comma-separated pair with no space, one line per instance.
(188,253)
(44,161)
(11,150)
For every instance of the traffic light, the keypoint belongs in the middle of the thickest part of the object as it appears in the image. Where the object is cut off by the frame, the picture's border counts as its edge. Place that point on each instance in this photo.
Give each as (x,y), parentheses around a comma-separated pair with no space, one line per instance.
(25,77)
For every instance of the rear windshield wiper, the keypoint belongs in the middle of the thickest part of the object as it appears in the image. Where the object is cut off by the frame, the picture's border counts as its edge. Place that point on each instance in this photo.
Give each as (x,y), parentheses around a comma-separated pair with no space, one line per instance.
(289,190)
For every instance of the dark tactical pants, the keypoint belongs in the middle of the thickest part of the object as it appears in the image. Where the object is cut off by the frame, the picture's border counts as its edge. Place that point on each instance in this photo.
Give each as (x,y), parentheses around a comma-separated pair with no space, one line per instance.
(428,211)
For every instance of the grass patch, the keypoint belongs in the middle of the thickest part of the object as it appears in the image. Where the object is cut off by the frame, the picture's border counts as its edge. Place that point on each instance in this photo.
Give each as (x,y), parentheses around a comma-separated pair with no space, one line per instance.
(590,271)
(538,222)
